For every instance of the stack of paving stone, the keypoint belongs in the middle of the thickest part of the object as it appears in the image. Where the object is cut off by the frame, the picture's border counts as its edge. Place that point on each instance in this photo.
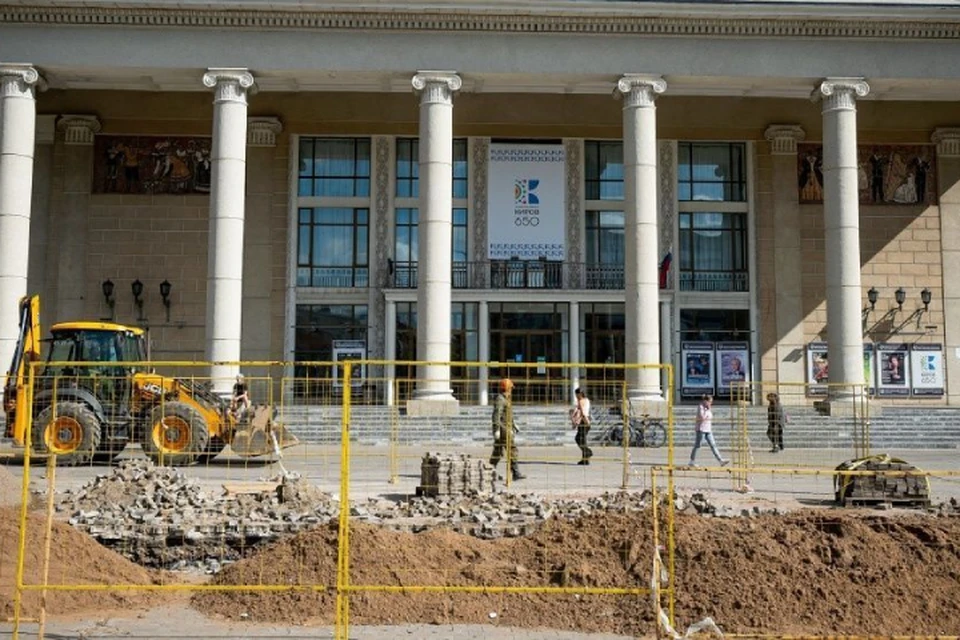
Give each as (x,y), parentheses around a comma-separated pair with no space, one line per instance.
(448,475)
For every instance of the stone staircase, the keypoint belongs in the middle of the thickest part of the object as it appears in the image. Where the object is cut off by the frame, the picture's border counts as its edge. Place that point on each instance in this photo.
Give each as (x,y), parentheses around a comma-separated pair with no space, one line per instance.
(896,428)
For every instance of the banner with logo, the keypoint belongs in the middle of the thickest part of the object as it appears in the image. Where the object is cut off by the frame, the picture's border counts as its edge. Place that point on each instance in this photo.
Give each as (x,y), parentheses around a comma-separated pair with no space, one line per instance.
(926,366)
(696,358)
(893,371)
(734,365)
(526,202)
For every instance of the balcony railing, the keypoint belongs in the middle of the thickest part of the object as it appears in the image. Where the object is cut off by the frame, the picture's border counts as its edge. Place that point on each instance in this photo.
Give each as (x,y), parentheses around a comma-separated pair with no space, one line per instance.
(549,274)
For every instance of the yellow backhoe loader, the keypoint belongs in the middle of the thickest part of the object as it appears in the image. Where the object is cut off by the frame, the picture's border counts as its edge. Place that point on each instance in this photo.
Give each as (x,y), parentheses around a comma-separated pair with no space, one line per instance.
(93,396)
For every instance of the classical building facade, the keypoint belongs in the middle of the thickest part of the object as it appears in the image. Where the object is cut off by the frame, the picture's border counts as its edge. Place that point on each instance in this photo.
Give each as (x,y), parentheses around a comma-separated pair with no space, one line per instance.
(733,188)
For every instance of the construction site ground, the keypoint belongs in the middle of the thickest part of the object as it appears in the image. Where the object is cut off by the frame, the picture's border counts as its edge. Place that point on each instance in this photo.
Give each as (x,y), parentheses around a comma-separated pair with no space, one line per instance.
(765,562)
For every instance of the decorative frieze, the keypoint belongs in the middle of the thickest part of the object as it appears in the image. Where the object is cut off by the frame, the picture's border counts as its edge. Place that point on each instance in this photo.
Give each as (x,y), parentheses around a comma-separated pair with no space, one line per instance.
(79,130)
(947,140)
(229,84)
(783,138)
(263,132)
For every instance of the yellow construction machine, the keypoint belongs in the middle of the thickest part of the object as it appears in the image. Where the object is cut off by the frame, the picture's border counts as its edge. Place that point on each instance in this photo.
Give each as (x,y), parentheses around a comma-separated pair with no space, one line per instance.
(94,395)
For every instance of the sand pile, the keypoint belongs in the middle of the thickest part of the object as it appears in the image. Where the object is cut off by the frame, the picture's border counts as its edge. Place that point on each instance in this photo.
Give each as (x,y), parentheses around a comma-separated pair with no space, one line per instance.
(10,488)
(811,572)
(75,558)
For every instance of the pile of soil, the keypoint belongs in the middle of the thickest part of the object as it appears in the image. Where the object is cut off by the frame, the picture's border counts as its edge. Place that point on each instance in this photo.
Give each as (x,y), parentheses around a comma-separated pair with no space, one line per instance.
(809,572)
(75,558)
(11,488)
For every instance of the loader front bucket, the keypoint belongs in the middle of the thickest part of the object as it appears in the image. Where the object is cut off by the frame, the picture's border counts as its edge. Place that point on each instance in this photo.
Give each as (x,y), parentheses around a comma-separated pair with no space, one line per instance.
(261,435)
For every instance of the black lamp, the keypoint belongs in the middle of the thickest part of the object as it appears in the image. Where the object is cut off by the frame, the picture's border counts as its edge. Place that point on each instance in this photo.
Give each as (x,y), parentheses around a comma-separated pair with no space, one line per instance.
(901,296)
(872,296)
(107,288)
(165,287)
(925,297)
(137,288)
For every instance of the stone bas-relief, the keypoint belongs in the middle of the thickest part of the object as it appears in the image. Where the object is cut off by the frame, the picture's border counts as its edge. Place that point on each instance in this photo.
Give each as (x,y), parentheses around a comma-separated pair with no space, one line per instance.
(886,174)
(151,165)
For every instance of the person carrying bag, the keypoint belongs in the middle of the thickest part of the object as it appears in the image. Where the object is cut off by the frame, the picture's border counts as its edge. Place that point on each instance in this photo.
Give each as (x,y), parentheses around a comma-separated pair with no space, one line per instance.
(580,420)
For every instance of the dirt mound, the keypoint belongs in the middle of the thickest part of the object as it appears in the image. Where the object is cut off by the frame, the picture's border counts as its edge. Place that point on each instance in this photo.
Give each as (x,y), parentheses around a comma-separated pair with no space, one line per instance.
(11,488)
(812,572)
(75,558)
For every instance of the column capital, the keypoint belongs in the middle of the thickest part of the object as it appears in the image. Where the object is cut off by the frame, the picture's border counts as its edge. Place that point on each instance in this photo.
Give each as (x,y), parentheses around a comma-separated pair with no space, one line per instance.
(639,89)
(841,93)
(783,138)
(262,132)
(947,140)
(18,80)
(436,86)
(78,129)
(230,84)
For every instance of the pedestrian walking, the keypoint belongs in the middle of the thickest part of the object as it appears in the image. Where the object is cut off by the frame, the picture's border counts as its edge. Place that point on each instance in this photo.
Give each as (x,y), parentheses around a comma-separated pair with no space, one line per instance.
(504,429)
(705,431)
(580,420)
(776,418)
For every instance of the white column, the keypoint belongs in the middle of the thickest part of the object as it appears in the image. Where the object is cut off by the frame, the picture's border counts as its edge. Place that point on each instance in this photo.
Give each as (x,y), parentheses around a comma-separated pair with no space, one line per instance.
(483,340)
(947,140)
(436,200)
(841,212)
(227,194)
(574,330)
(18,116)
(642,294)
(390,349)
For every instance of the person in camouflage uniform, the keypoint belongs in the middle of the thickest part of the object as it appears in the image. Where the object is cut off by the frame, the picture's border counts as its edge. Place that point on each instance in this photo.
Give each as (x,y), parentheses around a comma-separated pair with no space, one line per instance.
(504,429)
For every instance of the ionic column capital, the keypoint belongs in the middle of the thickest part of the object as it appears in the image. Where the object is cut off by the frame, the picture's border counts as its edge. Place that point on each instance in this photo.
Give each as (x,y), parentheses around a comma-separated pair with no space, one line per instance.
(436,86)
(783,138)
(79,130)
(640,90)
(947,140)
(262,132)
(841,93)
(18,80)
(230,84)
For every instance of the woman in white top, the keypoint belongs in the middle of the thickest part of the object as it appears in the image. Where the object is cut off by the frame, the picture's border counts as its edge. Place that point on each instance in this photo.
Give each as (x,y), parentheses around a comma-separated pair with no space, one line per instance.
(705,431)
(580,419)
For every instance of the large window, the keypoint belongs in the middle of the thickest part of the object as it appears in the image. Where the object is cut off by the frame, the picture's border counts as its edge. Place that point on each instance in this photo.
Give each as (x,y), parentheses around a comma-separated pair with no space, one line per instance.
(712,172)
(712,188)
(605,250)
(604,170)
(332,247)
(334,167)
(408,168)
(317,327)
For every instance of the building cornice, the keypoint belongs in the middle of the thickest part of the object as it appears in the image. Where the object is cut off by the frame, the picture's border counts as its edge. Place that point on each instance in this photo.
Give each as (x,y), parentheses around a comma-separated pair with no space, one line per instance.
(471,19)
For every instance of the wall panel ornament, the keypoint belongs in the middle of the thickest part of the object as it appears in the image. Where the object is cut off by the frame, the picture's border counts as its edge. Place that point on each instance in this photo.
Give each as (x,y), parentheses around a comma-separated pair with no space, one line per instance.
(481,151)
(151,165)
(574,153)
(667,168)
(379,275)
(886,174)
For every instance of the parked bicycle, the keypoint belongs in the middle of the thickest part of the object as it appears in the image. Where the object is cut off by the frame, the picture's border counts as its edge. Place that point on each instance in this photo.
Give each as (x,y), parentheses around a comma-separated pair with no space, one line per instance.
(643,431)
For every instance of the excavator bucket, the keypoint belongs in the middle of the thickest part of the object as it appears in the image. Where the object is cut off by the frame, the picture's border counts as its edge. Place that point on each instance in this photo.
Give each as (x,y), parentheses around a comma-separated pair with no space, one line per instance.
(258,434)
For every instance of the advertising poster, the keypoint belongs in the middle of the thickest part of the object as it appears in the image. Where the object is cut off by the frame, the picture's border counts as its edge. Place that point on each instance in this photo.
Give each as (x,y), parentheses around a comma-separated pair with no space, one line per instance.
(868,369)
(344,350)
(733,365)
(526,191)
(818,369)
(926,368)
(697,361)
(893,372)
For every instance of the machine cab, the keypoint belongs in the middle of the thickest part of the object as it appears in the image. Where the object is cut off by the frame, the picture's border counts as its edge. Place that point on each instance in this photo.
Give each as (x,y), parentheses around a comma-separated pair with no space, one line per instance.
(109,349)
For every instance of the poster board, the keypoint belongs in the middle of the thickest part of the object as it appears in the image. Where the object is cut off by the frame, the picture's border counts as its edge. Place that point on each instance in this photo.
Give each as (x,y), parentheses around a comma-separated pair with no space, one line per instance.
(818,369)
(893,370)
(344,350)
(697,362)
(733,365)
(926,367)
(869,369)
(526,192)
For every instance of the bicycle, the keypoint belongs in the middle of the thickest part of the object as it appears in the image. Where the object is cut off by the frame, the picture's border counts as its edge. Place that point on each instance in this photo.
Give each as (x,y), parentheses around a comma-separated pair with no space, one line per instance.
(644,431)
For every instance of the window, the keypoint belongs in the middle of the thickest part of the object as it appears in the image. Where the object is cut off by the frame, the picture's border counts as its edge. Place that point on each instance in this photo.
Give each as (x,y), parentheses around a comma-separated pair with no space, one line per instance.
(713,251)
(334,167)
(712,172)
(605,250)
(332,247)
(408,168)
(317,327)
(407,248)
(604,170)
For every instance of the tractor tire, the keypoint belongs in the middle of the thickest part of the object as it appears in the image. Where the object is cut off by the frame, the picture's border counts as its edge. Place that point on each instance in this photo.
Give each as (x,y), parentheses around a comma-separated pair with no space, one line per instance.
(176,435)
(69,430)
(214,446)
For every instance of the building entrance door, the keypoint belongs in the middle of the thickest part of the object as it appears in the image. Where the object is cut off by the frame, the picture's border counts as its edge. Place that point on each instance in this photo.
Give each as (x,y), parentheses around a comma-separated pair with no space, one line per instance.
(534,384)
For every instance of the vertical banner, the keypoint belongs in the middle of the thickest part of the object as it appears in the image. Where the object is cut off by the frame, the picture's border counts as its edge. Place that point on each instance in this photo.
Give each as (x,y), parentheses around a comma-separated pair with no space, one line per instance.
(526,202)
(344,350)
(733,360)
(893,372)
(818,369)
(869,369)
(926,368)
(696,358)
